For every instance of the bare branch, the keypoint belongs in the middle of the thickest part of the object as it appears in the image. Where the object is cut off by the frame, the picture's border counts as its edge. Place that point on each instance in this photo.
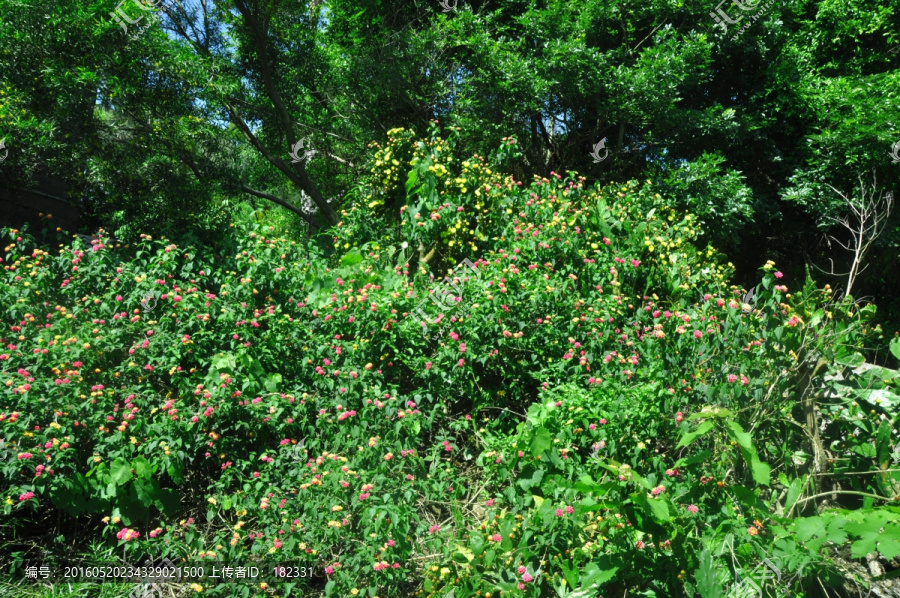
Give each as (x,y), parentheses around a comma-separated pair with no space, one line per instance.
(865,222)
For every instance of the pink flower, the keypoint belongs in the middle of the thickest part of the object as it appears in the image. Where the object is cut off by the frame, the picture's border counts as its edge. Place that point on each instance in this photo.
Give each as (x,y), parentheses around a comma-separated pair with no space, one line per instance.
(732,377)
(559,512)
(602,421)
(26,496)
(679,417)
(329,570)
(592,427)
(497,538)
(778,274)
(462,347)
(698,334)
(428,365)
(118,297)
(521,569)
(526,577)
(639,545)
(693,509)
(460,363)
(126,535)
(569,509)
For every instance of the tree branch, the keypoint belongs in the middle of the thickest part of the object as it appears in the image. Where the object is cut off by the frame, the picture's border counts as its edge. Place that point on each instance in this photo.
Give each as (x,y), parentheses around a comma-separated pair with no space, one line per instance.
(302,178)
(282,202)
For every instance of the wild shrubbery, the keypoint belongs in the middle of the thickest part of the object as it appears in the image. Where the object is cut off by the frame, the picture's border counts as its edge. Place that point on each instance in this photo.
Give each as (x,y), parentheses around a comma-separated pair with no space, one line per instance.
(586,401)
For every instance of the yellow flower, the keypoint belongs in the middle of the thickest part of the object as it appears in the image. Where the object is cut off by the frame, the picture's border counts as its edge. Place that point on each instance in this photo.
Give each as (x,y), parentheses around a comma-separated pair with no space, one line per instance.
(354,592)
(211,500)
(196,587)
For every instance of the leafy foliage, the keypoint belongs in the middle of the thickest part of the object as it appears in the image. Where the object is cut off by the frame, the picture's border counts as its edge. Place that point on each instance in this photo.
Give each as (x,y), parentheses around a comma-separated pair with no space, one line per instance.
(586,405)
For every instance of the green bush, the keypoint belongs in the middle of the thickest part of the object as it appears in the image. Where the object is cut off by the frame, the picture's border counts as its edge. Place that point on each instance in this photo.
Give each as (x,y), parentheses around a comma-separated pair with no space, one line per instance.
(586,402)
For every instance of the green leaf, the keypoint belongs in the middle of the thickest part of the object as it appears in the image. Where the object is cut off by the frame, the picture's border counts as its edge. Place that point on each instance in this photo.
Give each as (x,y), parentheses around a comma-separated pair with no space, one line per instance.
(411,179)
(256,368)
(463,555)
(659,509)
(816,318)
(120,471)
(176,472)
(351,258)
(853,360)
(587,485)
(593,577)
(692,436)
(761,472)
(570,572)
(708,585)
(272,382)
(147,490)
(142,468)
(866,450)
(877,530)
(530,477)
(541,441)
(793,493)
(883,444)
(700,457)
(895,347)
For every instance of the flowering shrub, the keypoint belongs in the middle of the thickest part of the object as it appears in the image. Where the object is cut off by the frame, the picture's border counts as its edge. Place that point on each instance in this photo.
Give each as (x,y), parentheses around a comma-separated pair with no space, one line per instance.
(599,407)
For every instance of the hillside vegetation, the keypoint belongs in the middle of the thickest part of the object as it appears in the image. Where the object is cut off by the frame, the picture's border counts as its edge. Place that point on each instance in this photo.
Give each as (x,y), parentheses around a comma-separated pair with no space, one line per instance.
(474,383)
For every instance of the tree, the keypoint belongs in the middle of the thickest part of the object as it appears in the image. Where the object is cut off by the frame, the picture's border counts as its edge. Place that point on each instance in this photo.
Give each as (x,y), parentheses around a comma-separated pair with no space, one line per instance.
(864,221)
